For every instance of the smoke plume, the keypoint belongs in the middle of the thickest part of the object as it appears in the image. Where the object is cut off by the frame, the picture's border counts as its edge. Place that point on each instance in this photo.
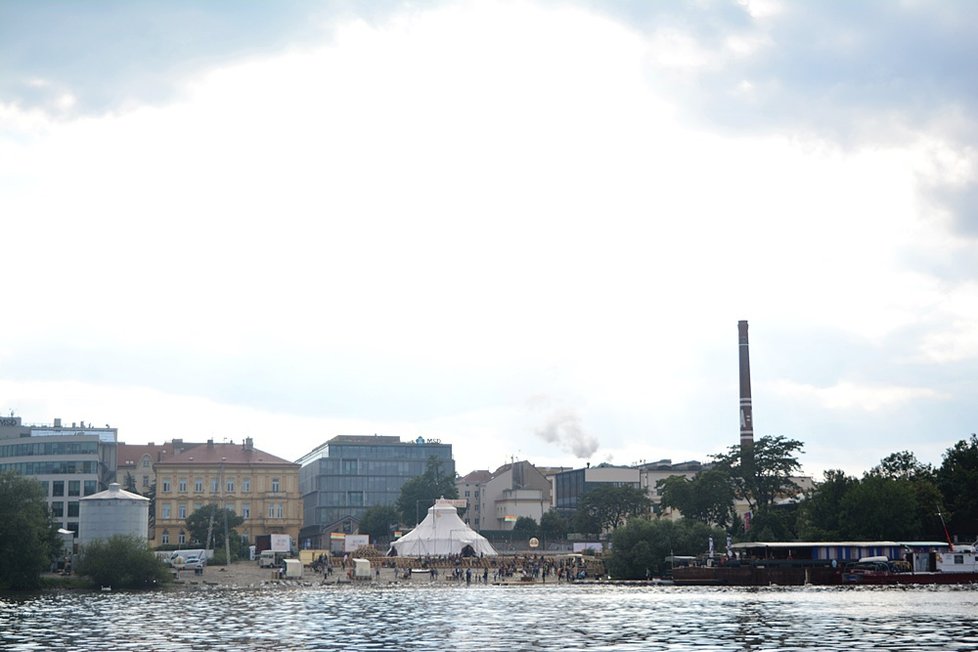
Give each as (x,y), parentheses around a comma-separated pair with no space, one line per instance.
(563,427)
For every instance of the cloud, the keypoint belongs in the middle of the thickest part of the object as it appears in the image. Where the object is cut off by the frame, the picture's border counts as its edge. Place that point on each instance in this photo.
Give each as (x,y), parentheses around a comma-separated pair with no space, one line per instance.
(846,395)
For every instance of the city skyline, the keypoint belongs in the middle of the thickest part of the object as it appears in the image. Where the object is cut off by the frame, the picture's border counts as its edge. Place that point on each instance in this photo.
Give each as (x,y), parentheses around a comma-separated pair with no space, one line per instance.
(526,229)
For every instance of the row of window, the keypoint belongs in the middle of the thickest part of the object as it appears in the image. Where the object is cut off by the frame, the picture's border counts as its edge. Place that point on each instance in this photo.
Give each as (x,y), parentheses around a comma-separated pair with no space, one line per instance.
(229,485)
(58,509)
(49,448)
(182,537)
(275,510)
(74,487)
(51,468)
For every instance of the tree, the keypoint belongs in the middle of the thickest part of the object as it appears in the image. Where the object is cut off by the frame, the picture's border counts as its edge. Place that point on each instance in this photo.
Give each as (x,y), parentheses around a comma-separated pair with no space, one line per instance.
(609,506)
(957,478)
(28,537)
(123,562)
(706,497)
(420,492)
(199,523)
(905,467)
(880,508)
(378,521)
(640,548)
(553,525)
(526,526)
(821,513)
(768,475)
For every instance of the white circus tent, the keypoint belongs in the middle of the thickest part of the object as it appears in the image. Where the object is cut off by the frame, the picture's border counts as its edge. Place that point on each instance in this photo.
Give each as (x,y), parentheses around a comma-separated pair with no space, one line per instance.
(442,533)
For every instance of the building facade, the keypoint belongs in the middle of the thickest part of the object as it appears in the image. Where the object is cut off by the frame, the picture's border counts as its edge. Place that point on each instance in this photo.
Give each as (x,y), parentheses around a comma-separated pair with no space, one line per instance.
(70,462)
(495,501)
(259,487)
(347,475)
(571,486)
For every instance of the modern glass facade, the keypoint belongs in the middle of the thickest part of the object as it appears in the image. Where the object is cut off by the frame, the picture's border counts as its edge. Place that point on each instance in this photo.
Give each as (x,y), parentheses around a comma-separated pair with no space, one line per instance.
(69,462)
(347,475)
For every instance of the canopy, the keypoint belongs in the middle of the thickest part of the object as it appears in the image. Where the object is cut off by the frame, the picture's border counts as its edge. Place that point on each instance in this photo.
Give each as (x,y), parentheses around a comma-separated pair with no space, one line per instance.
(442,533)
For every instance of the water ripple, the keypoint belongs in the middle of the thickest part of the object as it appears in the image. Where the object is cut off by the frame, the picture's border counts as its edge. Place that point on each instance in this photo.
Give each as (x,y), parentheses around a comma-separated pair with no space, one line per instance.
(497,618)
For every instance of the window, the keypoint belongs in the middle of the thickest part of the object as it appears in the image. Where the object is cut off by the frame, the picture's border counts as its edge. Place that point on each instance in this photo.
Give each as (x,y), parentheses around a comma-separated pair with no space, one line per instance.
(166,486)
(181,513)
(58,488)
(229,486)
(199,485)
(466,494)
(214,486)
(354,498)
(145,461)
(275,485)
(72,509)
(165,511)
(146,481)
(348,467)
(90,487)
(181,538)
(246,485)
(245,510)
(74,487)
(279,511)
(271,510)
(57,509)
(182,485)
(165,538)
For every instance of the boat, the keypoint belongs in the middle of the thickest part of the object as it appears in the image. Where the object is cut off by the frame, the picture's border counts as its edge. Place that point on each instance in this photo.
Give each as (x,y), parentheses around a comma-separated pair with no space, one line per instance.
(799,563)
(956,565)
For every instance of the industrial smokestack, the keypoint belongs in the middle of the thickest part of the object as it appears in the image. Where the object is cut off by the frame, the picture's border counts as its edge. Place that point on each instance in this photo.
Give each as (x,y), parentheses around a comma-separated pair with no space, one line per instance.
(746,418)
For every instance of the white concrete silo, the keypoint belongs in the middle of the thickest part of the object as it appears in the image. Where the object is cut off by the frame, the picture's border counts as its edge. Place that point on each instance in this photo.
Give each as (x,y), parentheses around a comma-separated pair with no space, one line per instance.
(112,512)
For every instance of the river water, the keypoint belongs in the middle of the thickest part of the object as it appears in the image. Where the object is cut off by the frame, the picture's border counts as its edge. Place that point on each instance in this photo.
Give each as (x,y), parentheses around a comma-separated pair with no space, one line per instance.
(484,618)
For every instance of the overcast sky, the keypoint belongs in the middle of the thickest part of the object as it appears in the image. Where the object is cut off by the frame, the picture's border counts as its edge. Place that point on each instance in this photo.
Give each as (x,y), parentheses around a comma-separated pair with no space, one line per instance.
(527,229)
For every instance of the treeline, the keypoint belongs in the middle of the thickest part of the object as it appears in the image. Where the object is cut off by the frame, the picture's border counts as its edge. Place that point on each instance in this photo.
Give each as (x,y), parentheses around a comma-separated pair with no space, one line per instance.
(901,498)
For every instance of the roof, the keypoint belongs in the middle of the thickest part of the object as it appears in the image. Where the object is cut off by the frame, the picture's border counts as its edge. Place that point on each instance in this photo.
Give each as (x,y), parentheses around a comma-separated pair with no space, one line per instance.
(211,454)
(476,477)
(116,492)
(837,544)
(131,454)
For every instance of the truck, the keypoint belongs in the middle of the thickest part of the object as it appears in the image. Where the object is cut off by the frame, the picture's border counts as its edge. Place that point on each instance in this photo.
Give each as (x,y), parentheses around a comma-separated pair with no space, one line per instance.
(275,542)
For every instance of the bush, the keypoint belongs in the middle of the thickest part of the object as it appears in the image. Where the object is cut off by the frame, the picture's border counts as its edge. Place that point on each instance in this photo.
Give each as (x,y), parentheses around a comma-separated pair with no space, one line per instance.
(640,547)
(122,562)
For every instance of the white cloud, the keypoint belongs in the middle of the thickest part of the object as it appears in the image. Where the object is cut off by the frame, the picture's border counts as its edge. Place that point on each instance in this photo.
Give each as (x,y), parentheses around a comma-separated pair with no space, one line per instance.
(846,395)
(496,196)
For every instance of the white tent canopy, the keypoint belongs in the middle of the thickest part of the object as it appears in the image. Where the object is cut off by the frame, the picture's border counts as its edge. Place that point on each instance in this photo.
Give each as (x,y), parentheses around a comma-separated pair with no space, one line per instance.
(442,533)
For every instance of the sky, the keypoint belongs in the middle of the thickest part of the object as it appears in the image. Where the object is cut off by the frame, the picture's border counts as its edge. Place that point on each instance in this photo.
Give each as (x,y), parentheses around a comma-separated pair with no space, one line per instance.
(527,229)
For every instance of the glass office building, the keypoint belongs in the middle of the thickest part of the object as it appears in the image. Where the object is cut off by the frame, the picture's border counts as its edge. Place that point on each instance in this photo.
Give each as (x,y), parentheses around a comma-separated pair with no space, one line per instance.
(347,475)
(69,462)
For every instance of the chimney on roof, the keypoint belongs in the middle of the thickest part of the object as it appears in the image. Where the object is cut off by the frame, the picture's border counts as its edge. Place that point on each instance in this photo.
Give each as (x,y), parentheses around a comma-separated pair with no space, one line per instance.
(249,444)
(210,443)
(57,423)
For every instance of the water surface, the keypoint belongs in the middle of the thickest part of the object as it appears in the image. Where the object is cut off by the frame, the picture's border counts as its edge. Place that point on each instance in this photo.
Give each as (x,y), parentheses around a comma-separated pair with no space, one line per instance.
(498,618)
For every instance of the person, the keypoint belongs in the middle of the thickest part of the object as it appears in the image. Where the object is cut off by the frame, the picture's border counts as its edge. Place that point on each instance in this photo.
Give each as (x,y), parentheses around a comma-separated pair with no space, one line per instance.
(468,577)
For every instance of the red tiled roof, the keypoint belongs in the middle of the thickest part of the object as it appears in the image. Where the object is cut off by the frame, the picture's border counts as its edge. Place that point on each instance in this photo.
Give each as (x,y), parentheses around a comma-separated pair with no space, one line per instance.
(210,454)
(132,454)
(477,476)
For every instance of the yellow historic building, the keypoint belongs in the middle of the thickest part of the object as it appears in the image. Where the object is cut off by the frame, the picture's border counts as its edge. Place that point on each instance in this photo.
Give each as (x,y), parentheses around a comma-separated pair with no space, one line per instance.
(261,488)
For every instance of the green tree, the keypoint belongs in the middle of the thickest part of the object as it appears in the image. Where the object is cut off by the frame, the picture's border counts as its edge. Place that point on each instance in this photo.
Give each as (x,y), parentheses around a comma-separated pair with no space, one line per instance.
(905,467)
(609,506)
(201,521)
(768,475)
(377,522)
(526,526)
(420,492)
(820,518)
(880,508)
(706,497)
(957,479)
(640,548)
(553,525)
(28,537)
(122,562)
